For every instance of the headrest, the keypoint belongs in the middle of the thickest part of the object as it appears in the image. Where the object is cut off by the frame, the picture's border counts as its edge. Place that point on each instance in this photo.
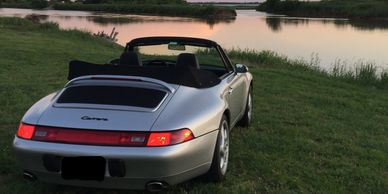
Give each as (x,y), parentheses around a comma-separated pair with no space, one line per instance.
(130,58)
(187,60)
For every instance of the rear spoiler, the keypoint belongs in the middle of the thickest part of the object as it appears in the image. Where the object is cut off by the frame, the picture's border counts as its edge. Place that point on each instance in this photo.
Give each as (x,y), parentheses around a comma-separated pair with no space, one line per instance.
(189,76)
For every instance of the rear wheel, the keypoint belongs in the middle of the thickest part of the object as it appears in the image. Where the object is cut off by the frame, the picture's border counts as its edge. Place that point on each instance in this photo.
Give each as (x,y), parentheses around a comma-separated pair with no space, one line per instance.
(247,118)
(219,165)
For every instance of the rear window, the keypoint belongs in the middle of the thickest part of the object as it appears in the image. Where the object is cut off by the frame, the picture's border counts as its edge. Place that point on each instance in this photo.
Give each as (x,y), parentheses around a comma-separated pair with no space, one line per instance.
(113,95)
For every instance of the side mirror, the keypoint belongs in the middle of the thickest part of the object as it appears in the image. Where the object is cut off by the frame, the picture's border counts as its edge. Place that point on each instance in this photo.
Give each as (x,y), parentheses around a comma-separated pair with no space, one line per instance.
(241,68)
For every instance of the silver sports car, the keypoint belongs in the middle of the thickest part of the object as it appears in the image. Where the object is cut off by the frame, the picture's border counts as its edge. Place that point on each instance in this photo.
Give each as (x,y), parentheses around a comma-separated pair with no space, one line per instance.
(158,115)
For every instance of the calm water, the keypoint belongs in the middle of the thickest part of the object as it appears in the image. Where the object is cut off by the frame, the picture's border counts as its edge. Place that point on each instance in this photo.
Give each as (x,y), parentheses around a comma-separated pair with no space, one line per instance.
(331,39)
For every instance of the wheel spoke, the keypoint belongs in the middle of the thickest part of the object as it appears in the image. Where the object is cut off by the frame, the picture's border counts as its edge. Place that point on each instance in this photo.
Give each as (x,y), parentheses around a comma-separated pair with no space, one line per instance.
(224,147)
(249,106)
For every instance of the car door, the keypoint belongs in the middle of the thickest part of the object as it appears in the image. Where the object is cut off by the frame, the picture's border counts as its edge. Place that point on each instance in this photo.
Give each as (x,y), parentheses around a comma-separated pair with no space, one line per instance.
(236,89)
(236,96)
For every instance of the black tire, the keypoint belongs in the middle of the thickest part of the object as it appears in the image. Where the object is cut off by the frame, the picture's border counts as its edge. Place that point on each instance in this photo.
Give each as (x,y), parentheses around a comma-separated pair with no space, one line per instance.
(246,120)
(217,170)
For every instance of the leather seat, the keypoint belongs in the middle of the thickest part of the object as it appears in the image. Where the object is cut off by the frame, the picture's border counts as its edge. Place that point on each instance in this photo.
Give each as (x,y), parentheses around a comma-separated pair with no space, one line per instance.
(185,60)
(130,58)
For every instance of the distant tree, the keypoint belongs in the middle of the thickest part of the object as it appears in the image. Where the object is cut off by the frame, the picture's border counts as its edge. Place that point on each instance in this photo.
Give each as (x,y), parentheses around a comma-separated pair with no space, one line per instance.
(279,5)
(39,4)
(94,1)
(149,1)
(273,4)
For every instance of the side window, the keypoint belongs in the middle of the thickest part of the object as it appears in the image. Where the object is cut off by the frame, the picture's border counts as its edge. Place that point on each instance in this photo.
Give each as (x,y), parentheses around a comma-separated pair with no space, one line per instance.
(210,59)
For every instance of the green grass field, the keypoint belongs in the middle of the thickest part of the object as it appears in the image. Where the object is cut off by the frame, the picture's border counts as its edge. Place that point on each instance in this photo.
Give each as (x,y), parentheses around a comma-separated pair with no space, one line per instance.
(311,133)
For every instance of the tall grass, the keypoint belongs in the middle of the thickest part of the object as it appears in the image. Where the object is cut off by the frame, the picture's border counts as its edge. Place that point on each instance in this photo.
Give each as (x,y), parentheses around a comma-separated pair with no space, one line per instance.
(20,23)
(271,59)
(47,27)
(363,73)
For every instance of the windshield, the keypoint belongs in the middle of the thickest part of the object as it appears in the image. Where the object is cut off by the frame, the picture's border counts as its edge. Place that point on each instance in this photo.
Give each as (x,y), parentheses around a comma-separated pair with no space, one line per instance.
(208,58)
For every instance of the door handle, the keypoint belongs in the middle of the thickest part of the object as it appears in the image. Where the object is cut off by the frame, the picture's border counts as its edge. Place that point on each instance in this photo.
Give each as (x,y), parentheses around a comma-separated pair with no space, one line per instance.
(230,91)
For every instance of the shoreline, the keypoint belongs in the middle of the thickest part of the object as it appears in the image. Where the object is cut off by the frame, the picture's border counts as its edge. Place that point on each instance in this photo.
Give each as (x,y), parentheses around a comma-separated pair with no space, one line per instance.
(353,10)
(173,10)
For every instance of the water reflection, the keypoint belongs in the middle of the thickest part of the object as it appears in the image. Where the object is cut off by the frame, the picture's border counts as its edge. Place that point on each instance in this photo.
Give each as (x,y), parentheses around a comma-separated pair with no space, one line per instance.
(105,18)
(275,23)
(112,20)
(126,20)
(36,17)
(369,24)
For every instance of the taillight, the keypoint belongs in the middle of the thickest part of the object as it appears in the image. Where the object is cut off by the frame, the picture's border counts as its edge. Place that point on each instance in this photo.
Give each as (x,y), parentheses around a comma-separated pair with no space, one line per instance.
(98,137)
(169,138)
(92,137)
(25,131)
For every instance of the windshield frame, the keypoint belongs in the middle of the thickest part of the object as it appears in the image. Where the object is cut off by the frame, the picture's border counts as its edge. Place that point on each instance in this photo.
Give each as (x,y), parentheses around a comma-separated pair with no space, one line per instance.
(199,42)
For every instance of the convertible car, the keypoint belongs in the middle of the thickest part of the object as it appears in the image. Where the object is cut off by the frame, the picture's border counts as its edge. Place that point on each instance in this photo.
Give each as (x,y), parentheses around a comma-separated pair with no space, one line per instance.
(158,115)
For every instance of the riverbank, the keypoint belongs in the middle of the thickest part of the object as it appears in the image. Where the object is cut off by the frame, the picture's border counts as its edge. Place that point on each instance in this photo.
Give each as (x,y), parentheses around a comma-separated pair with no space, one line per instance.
(311,132)
(354,9)
(166,9)
(235,6)
(154,9)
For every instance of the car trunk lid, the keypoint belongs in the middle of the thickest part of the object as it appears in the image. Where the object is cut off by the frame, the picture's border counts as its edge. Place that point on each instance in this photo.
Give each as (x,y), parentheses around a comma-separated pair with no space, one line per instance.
(107,105)
(99,119)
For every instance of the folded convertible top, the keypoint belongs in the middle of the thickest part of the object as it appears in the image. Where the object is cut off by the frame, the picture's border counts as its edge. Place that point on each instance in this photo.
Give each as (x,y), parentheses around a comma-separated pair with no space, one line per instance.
(190,77)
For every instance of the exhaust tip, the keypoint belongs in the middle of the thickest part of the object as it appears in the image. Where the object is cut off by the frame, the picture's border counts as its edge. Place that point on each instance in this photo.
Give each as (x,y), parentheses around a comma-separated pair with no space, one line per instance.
(29,176)
(156,186)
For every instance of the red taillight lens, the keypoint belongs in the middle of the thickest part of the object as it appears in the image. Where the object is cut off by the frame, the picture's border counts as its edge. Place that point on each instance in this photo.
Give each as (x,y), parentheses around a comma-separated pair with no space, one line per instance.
(90,137)
(159,139)
(97,137)
(169,138)
(25,131)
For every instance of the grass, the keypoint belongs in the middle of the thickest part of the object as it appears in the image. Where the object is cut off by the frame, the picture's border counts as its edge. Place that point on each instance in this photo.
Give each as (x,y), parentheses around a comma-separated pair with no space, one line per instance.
(356,9)
(364,72)
(311,133)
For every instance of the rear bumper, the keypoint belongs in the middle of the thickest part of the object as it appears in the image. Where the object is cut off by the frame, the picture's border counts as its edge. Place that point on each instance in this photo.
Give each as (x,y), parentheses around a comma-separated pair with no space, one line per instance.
(171,164)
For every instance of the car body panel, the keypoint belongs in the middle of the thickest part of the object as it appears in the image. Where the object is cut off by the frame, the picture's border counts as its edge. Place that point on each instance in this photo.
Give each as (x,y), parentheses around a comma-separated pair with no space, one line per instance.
(238,94)
(34,113)
(197,109)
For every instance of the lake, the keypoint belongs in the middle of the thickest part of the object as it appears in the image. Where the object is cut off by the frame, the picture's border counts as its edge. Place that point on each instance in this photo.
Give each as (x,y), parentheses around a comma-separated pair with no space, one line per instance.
(329,39)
